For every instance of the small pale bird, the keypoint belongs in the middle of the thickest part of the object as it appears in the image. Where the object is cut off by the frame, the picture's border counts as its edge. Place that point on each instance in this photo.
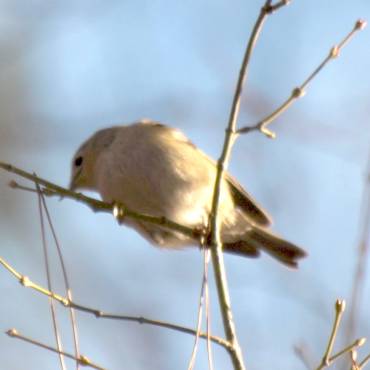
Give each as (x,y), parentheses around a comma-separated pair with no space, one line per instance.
(154,169)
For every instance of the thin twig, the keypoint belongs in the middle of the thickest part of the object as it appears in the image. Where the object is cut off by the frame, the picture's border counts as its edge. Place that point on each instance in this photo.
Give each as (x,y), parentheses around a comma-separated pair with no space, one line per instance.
(299,92)
(328,359)
(364,362)
(142,320)
(357,343)
(216,243)
(340,306)
(83,360)
(25,281)
(49,284)
(65,277)
(208,310)
(118,210)
(278,5)
(199,320)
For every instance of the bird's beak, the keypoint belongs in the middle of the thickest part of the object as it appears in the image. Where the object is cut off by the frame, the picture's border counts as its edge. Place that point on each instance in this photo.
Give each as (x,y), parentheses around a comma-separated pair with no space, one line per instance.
(73,185)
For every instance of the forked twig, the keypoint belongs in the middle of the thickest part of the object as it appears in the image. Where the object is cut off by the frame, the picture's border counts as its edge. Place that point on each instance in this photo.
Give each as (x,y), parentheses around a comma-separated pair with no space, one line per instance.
(328,358)
(299,92)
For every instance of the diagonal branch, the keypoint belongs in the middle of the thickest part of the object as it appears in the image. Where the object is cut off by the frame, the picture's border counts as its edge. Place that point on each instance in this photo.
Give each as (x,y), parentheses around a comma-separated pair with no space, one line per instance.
(26,282)
(82,360)
(299,92)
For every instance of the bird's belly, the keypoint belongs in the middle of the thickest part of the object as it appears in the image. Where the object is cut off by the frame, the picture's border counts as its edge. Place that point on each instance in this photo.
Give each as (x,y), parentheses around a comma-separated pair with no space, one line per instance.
(178,203)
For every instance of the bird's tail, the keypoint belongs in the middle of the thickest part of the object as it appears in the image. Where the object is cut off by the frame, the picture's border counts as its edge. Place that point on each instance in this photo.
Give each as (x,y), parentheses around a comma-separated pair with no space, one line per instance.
(257,239)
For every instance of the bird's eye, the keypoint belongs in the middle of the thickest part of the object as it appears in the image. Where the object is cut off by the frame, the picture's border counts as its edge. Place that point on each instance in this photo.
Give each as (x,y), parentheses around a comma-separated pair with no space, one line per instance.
(78,161)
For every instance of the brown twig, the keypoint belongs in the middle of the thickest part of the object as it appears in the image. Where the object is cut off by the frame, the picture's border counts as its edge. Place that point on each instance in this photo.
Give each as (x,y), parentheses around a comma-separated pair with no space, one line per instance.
(82,360)
(216,243)
(299,92)
(26,282)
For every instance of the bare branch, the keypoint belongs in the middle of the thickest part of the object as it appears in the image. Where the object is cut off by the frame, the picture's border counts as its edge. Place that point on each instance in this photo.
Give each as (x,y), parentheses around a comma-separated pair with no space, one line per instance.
(340,306)
(216,243)
(119,211)
(208,309)
(278,5)
(299,92)
(64,271)
(328,359)
(83,360)
(357,343)
(364,362)
(200,313)
(26,282)
(48,279)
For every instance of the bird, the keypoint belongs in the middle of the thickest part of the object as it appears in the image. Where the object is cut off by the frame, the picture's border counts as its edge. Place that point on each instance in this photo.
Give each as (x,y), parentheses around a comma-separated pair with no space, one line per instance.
(155,169)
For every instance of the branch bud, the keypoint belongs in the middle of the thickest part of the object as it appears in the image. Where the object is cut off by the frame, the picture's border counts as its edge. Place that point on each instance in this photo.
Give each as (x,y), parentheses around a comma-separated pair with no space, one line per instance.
(340,305)
(360,24)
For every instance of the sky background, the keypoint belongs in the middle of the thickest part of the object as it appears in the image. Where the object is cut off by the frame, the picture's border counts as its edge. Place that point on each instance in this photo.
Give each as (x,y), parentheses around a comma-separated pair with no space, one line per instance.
(69,68)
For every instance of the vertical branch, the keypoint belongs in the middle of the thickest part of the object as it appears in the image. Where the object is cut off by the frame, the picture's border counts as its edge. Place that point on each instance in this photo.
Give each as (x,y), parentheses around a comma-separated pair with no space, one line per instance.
(203,301)
(65,278)
(199,325)
(208,310)
(216,243)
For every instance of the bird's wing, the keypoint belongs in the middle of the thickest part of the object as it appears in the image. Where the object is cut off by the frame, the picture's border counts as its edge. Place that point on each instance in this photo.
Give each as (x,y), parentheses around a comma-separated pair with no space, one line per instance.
(241,198)
(244,201)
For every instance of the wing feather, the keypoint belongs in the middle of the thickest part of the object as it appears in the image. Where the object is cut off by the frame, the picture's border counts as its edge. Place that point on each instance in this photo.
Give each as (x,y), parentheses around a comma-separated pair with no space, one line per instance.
(241,198)
(244,201)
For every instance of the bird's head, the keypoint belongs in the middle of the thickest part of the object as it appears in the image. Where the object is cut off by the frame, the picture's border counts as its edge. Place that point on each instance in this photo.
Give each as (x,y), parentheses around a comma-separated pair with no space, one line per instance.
(84,163)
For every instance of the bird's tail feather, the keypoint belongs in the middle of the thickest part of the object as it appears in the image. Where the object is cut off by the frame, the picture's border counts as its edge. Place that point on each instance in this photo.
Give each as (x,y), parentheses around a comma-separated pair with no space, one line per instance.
(258,239)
